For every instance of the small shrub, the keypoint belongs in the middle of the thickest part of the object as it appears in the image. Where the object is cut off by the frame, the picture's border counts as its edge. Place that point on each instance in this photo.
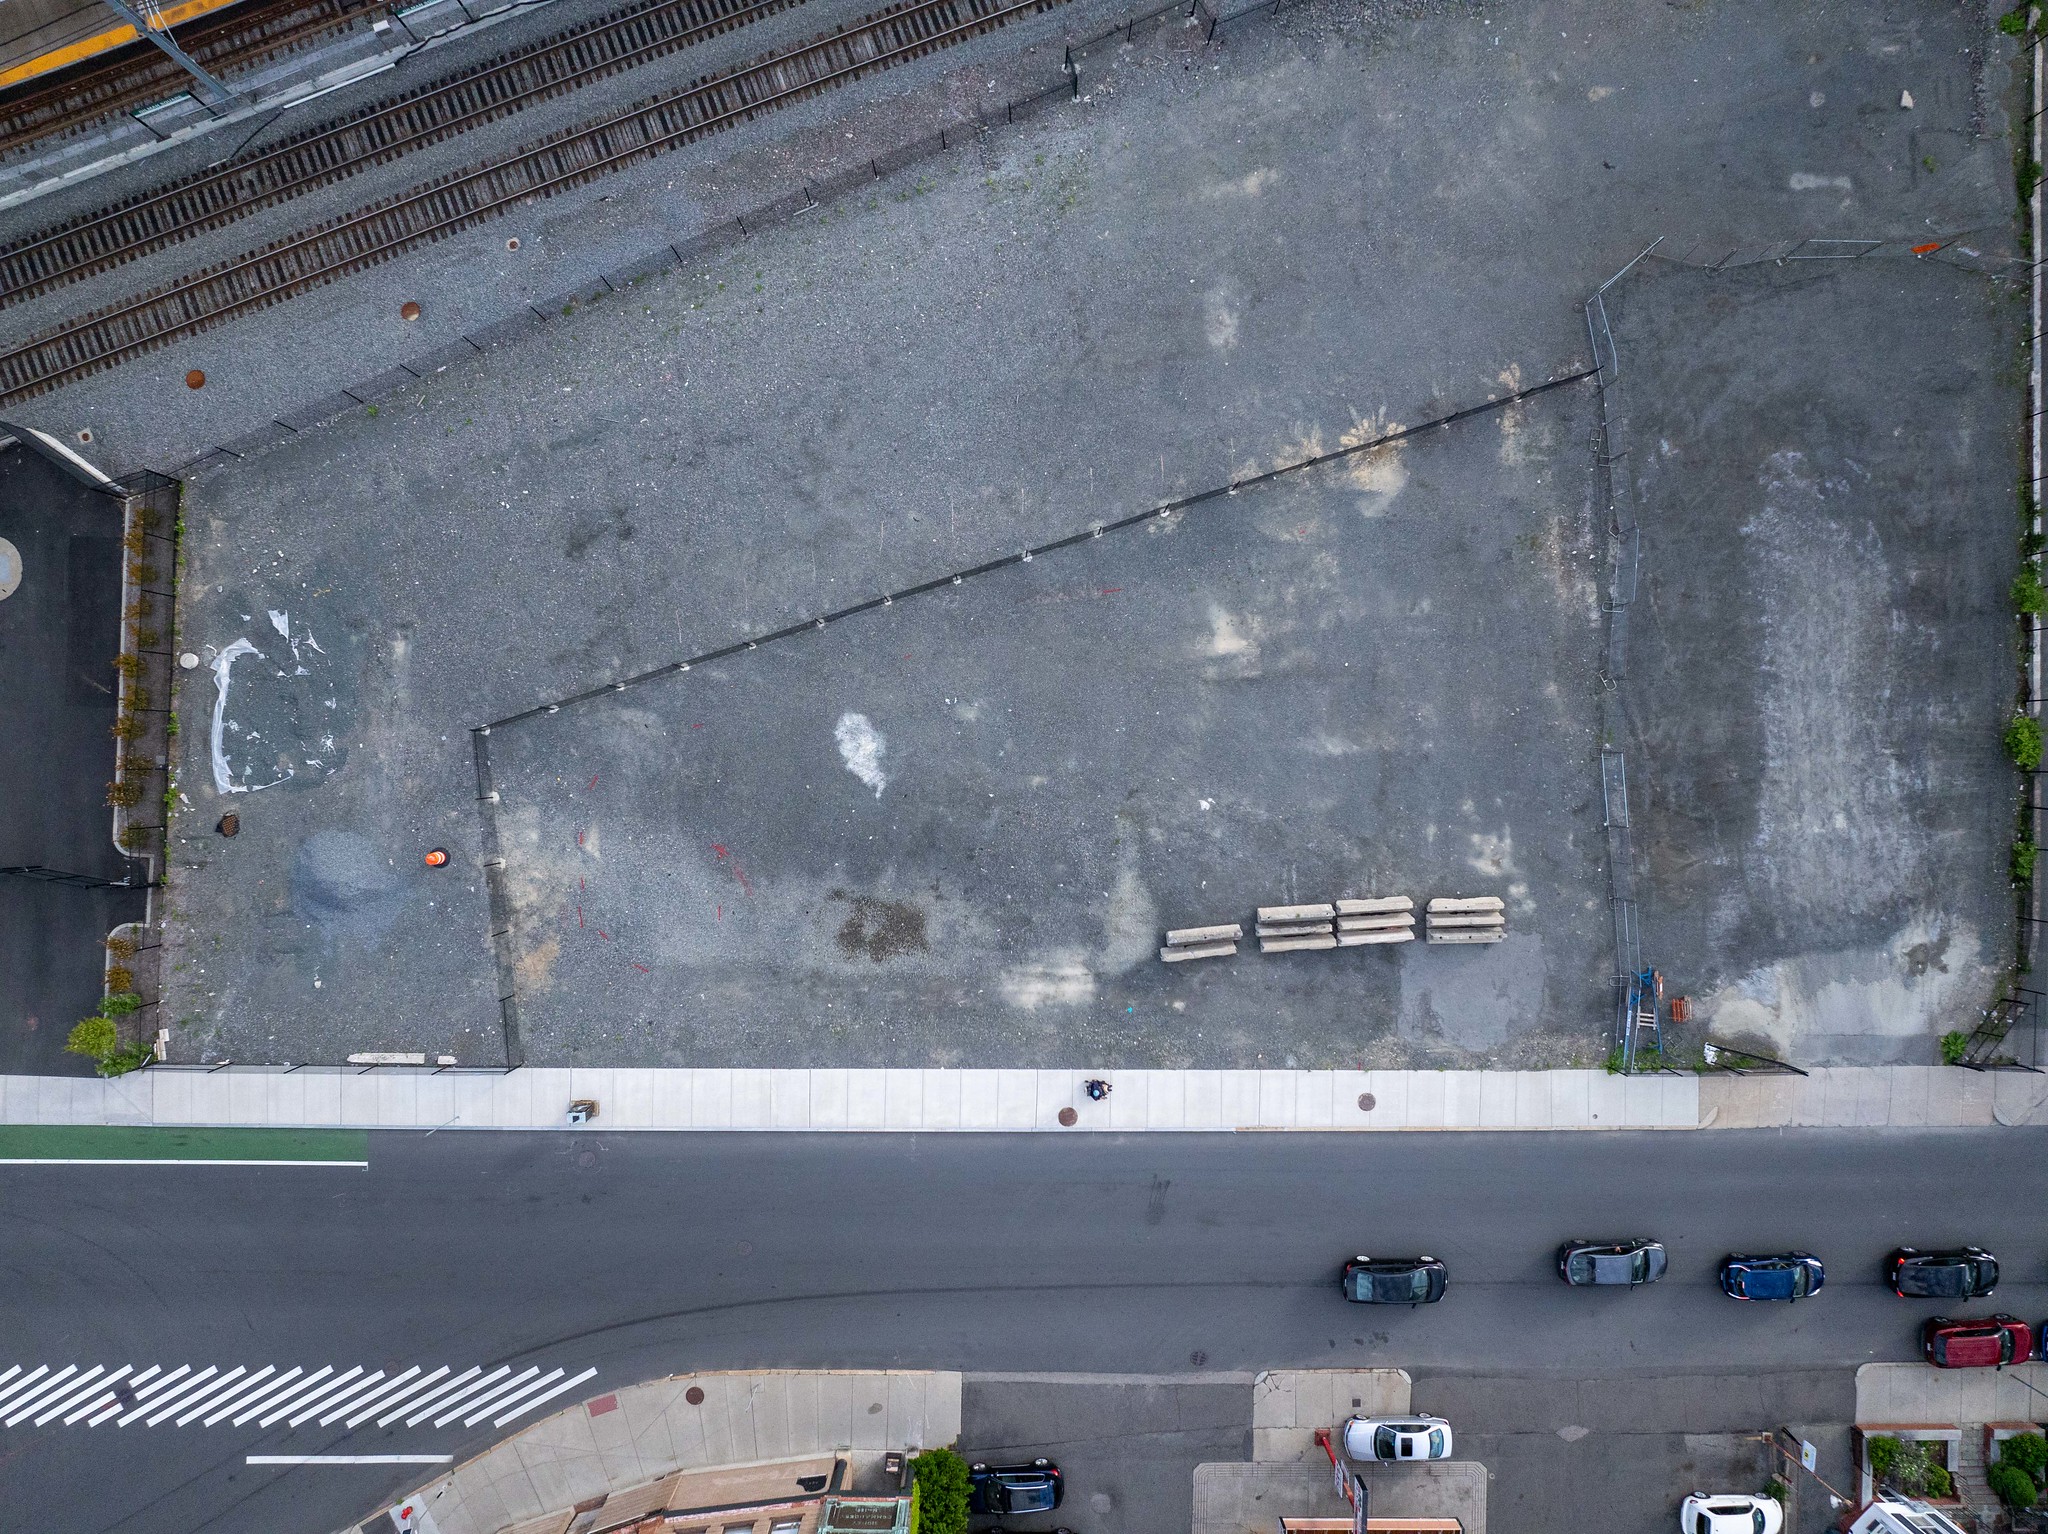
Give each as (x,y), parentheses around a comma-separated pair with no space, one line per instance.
(125,794)
(135,838)
(2029,596)
(128,665)
(1939,1482)
(1881,1453)
(941,1492)
(2014,23)
(2027,1451)
(2023,850)
(122,1061)
(171,724)
(1776,1489)
(127,727)
(2027,177)
(94,1037)
(119,978)
(1953,1046)
(2023,742)
(120,1004)
(121,947)
(2011,1485)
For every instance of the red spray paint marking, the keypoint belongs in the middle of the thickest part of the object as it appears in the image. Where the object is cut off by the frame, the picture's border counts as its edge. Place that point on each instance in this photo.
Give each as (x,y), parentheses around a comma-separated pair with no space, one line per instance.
(580,884)
(579,838)
(643,969)
(719,850)
(579,916)
(721,913)
(591,784)
(1921,250)
(696,726)
(740,874)
(1109,591)
(604,934)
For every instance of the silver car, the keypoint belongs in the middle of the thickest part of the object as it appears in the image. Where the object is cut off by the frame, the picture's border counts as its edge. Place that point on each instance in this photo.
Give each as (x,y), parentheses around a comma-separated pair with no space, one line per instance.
(1397,1440)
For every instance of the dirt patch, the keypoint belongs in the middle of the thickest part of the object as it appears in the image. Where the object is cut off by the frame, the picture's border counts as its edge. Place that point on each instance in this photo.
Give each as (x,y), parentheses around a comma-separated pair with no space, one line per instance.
(882,929)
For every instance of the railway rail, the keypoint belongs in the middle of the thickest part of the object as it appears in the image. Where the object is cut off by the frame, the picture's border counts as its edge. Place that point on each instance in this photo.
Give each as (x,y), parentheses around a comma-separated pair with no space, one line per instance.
(138,75)
(383,131)
(448,204)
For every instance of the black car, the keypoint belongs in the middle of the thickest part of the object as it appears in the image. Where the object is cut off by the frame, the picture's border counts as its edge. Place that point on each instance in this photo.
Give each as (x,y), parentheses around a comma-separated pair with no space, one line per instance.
(1622,1264)
(1032,1488)
(1960,1273)
(1393,1280)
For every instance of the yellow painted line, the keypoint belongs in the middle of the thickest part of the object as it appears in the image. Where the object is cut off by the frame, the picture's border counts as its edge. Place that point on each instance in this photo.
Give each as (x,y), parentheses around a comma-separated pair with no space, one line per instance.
(103,42)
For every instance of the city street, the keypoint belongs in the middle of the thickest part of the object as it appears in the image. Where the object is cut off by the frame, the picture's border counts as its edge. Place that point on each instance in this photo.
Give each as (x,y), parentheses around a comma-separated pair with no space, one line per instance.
(641,1256)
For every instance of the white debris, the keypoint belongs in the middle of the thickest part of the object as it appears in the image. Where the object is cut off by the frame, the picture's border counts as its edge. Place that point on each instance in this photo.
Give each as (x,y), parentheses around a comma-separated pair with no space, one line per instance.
(861,747)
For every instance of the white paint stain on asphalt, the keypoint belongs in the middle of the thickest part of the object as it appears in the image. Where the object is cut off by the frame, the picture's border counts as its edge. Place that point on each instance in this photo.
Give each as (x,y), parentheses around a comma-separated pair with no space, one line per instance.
(861,747)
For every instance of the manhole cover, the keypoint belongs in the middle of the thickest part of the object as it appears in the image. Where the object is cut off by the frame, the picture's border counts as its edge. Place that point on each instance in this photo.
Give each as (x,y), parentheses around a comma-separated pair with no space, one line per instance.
(1069,1118)
(694,1395)
(1367,1102)
(10,569)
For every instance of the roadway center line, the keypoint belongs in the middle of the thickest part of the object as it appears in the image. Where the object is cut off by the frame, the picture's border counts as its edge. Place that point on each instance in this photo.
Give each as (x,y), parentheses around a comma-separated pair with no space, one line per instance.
(350,1459)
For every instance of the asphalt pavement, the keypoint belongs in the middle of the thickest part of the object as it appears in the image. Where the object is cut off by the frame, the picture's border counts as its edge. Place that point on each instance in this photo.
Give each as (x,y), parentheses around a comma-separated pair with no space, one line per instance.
(640,1256)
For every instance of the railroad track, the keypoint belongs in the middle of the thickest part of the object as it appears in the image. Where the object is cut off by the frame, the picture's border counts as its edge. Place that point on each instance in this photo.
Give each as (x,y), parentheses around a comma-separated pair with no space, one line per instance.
(386,130)
(89,92)
(439,208)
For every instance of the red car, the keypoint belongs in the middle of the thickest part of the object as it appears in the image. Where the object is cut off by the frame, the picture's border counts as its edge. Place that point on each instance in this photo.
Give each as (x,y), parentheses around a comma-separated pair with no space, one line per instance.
(1990,1343)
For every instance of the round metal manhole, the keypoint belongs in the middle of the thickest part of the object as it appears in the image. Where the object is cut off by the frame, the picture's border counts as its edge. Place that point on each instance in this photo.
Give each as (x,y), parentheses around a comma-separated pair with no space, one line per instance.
(1069,1118)
(10,569)
(1367,1102)
(694,1395)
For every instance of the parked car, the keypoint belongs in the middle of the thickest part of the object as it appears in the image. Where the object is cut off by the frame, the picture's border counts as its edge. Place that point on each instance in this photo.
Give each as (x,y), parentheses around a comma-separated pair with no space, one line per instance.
(1032,1488)
(1396,1439)
(1599,1264)
(1988,1342)
(1961,1273)
(1737,1513)
(1787,1276)
(1393,1280)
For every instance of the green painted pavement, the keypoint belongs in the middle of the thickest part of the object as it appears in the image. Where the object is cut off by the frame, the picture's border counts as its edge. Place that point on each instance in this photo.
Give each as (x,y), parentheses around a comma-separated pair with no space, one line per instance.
(105,1144)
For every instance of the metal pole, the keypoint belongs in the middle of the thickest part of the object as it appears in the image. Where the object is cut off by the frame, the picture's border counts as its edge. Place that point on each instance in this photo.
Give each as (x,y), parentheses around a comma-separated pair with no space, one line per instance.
(221,95)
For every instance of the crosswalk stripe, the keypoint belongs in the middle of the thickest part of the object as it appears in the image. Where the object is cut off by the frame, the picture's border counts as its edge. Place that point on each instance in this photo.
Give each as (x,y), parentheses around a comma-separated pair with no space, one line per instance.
(61,1398)
(307,1398)
(251,1387)
(484,1400)
(259,1408)
(361,1399)
(91,1392)
(342,1400)
(520,1411)
(23,1405)
(226,1388)
(103,1412)
(216,1393)
(429,1399)
(167,1402)
(365,1410)
(504,1401)
(145,1400)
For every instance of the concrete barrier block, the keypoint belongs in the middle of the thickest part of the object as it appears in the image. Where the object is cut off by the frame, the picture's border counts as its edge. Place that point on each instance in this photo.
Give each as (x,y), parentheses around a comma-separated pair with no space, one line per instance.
(1471,903)
(1476,919)
(1466,935)
(1296,944)
(1360,939)
(1185,951)
(1231,931)
(1385,923)
(1292,928)
(1375,905)
(1268,913)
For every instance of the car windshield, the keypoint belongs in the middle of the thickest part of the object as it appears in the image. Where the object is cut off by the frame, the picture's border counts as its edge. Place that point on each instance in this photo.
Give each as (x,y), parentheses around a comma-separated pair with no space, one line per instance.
(1436,1443)
(1030,1499)
(1401,1286)
(1386,1443)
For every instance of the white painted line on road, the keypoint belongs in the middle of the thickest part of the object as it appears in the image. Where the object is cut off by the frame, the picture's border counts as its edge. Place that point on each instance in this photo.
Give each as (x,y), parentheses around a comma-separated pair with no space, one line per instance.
(350,1459)
(280,1385)
(115,1405)
(159,1161)
(372,1392)
(429,1398)
(231,1389)
(251,1387)
(490,1395)
(87,1392)
(144,1398)
(60,1399)
(27,1403)
(198,1398)
(423,1411)
(308,1398)
(367,1409)
(170,1398)
(521,1411)
(504,1401)
(22,1384)
(370,1382)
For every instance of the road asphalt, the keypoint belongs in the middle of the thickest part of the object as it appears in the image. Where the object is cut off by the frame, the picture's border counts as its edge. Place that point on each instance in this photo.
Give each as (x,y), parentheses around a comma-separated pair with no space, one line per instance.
(646,1255)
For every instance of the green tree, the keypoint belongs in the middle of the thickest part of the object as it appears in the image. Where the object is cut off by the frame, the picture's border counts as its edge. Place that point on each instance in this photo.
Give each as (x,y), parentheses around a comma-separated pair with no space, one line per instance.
(93,1037)
(2027,1451)
(941,1492)
(2023,742)
(2011,1485)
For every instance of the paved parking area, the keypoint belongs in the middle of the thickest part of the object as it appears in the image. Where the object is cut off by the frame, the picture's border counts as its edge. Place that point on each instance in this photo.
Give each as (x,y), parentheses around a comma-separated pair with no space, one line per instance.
(1215,263)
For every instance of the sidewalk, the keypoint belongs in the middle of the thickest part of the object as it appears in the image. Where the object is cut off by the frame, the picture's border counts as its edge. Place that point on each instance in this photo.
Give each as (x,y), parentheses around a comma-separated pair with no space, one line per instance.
(631,1438)
(1011,1101)
(387,1097)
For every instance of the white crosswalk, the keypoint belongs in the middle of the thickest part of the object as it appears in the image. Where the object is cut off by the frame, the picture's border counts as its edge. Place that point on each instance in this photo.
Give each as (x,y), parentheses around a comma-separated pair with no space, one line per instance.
(269,1396)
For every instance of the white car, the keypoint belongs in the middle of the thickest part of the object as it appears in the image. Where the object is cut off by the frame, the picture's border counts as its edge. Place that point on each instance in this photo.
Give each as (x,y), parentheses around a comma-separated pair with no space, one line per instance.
(1735,1513)
(1397,1439)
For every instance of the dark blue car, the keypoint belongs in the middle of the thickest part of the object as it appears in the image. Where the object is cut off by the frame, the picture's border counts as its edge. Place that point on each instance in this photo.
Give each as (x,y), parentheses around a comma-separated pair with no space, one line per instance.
(1787,1276)
(1032,1488)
